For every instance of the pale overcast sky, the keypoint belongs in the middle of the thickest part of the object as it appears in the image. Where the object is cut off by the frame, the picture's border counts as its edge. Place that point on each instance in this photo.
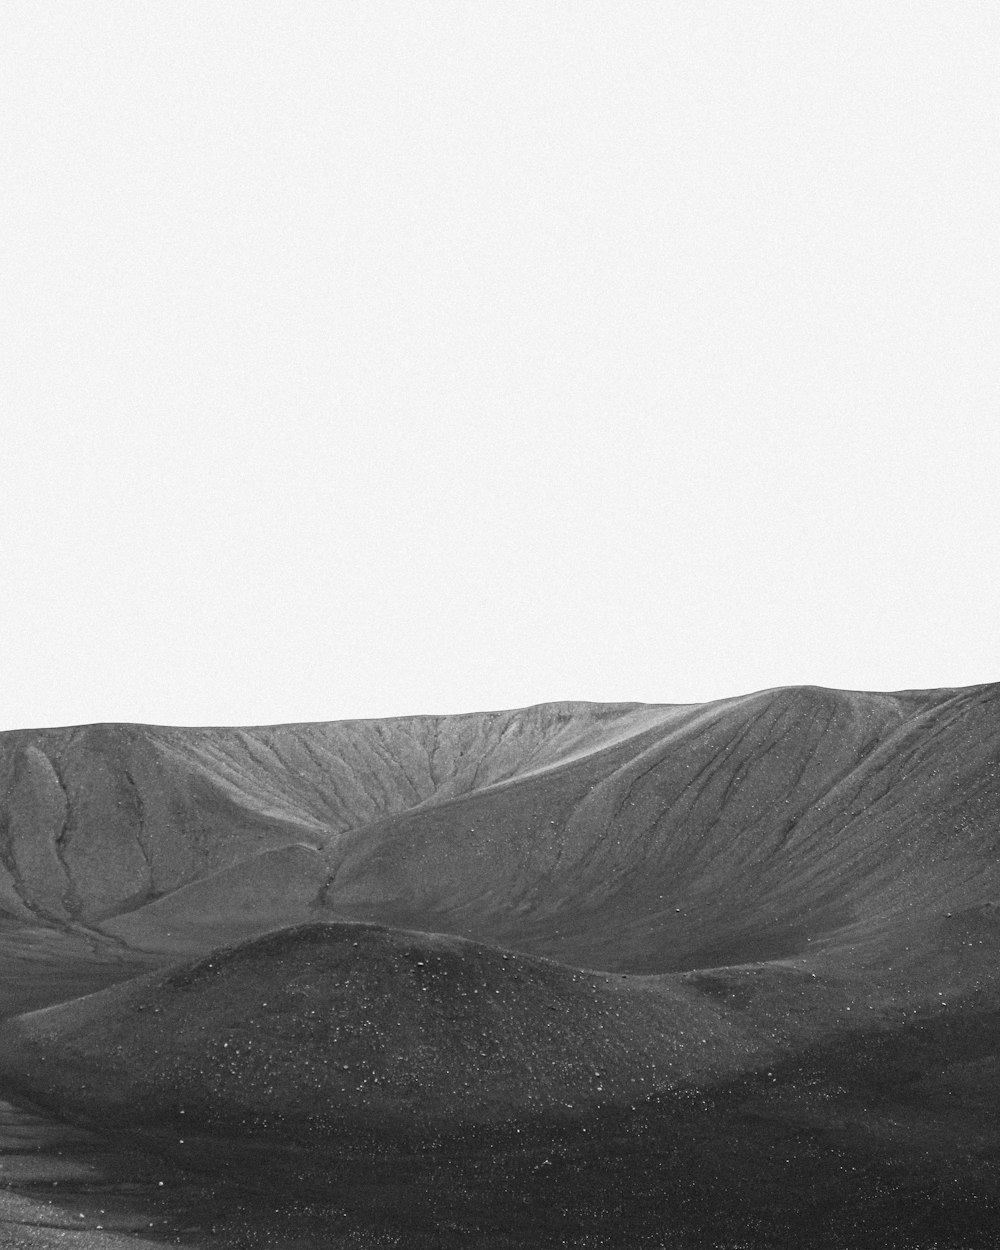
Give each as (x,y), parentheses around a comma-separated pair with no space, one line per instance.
(366,359)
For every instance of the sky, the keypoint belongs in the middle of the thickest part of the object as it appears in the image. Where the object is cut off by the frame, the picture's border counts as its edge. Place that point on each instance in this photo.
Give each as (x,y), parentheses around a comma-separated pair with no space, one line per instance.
(376,359)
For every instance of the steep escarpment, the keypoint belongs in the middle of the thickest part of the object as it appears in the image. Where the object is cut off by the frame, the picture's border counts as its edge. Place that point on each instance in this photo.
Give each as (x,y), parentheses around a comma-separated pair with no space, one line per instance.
(97,819)
(760,828)
(646,840)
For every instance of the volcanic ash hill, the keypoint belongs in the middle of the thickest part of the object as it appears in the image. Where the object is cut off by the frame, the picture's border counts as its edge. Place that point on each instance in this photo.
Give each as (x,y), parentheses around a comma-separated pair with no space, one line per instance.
(334,1028)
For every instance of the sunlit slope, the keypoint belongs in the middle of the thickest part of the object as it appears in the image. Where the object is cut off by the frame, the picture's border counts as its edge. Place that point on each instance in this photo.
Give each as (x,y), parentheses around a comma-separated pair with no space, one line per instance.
(761,828)
(624,838)
(98,819)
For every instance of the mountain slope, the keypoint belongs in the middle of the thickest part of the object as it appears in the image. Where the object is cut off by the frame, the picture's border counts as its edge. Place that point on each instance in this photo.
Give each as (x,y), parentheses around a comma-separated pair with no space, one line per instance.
(95,820)
(756,829)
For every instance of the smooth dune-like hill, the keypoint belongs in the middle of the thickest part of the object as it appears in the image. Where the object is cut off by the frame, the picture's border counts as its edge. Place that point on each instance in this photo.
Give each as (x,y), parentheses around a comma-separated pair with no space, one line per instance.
(771,921)
(331,1027)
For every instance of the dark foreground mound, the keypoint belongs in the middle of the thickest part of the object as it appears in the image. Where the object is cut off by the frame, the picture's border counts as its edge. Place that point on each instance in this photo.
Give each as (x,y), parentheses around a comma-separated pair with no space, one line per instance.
(458,1090)
(327,1031)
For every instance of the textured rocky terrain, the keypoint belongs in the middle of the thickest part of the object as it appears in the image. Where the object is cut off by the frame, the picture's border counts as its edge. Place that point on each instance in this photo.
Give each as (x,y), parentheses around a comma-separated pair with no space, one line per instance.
(713,974)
